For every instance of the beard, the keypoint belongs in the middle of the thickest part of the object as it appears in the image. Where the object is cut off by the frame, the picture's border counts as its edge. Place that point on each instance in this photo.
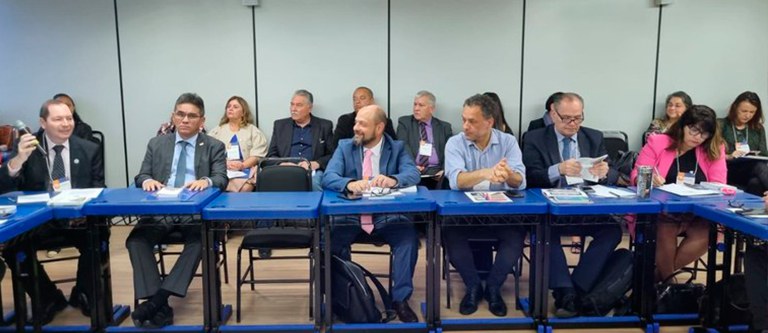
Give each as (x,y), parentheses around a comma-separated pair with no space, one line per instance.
(362,139)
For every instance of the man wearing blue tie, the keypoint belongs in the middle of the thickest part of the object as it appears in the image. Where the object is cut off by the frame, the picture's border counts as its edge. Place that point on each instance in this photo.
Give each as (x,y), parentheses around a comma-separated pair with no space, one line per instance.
(189,159)
(550,154)
(373,159)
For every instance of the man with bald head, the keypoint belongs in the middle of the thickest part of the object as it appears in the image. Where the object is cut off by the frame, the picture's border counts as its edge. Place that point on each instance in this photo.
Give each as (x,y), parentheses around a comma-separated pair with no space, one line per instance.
(362,97)
(372,159)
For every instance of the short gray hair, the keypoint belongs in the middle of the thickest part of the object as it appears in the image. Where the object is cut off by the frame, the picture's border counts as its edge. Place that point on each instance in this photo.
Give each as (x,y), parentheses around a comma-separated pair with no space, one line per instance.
(430,96)
(306,94)
(568,96)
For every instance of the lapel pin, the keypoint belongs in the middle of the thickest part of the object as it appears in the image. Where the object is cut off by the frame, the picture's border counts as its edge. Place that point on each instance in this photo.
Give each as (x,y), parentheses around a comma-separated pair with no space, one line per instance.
(201,144)
(76,161)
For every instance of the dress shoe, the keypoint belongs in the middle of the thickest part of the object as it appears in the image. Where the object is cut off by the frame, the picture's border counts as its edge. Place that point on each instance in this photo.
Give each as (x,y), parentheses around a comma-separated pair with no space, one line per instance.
(265,253)
(404,312)
(51,308)
(469,303)
(144,312)
(495,303)
(163,317)
(565,306)
(78,299)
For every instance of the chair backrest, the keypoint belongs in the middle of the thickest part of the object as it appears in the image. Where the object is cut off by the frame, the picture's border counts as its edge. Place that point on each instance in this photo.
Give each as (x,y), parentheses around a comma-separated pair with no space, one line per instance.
(615,142)
(273,177)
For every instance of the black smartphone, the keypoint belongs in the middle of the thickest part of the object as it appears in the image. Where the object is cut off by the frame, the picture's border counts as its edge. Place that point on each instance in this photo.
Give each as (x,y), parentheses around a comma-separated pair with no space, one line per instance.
(350,196)
(588,189)
(512,194)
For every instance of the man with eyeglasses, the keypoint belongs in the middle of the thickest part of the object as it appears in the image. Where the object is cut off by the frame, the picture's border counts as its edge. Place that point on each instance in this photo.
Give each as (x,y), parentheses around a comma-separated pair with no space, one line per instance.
(550,154)
(188,159)
(371,160)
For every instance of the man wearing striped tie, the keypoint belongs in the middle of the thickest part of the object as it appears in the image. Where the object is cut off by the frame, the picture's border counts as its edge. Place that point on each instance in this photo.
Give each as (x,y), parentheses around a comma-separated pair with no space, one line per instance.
(372,159)
(425,137)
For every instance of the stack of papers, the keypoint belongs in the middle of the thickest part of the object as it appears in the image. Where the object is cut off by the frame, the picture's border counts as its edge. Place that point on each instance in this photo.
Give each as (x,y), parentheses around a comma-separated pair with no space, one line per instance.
(33,198)
(169,193)
(687,191)
(74,197)
(487,196)
(7,211)
(566,195)
(586,164)
(610,192)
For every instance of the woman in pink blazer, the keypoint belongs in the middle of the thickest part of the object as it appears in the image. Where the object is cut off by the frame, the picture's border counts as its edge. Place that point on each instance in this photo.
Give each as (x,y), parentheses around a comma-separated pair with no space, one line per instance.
(692,150)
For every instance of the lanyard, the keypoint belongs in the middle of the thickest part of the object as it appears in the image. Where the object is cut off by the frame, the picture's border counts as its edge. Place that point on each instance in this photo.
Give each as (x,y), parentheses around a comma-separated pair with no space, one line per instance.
(746,137)
(677,160)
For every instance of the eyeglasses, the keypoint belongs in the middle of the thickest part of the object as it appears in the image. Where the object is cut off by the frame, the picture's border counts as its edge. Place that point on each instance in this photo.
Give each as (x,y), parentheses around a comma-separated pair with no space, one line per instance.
(568,120)
(735,204)
(380,191)
(695,131)
(191,116)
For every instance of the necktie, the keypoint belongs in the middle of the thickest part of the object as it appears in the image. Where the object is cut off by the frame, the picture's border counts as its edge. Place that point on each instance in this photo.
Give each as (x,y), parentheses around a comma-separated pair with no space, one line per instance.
(366,220)
(566,149)
(181,166)
(58,163)
(421,159)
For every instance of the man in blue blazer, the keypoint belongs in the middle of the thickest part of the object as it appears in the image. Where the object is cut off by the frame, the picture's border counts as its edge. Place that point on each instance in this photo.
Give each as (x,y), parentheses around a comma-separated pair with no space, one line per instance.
(550,154)
(373,159)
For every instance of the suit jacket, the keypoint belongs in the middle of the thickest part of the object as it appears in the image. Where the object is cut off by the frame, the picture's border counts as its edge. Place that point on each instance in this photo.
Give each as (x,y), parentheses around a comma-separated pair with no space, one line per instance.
(345,128)
(86,165)
(656,154)
(346,165)
(322,134)
(540,151)
(409,132)
(536,124)
(210,160)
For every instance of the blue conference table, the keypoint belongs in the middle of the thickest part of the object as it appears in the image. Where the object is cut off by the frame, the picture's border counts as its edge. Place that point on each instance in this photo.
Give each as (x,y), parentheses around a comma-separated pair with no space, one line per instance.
(413,204)
(134,201)
(756,228)
(253,207)
(608,211)
(455,209)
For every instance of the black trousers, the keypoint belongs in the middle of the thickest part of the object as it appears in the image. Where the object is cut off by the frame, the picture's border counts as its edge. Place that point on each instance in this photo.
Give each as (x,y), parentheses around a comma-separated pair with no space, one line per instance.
(510,247)
(756,276)
(752,176)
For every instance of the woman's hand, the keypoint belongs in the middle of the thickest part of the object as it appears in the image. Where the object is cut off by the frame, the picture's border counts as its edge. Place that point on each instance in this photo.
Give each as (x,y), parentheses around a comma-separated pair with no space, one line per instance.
(235,165)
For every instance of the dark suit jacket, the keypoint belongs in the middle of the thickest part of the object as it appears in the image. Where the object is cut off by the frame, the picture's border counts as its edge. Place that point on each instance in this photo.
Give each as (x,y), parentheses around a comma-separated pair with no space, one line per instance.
(86,167)
(408,131)
(536,124)
(322,134)
(540,151)
(346,165)
(346,123)
(210,160)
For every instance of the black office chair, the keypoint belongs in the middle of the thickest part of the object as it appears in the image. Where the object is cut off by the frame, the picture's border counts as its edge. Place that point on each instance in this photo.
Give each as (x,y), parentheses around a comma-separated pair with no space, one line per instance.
(272,177)
(177,238)
(365,238)
(615,143)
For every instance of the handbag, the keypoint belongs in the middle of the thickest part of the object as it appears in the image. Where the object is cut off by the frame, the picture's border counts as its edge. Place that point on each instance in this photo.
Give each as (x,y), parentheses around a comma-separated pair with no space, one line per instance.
(674,297)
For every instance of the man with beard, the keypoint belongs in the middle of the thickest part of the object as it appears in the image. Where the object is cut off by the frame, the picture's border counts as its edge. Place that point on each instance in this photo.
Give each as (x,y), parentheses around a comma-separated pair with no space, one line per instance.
(373,159)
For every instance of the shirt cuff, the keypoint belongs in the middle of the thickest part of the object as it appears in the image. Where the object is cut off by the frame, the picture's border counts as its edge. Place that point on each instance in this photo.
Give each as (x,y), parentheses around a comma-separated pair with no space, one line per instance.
(554,173)
(210,182)
(13,172)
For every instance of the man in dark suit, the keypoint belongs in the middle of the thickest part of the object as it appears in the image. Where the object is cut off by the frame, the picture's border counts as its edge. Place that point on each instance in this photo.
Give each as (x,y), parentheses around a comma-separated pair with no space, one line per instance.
(373,159)
(363,96)
(425,137)
(550,154)
(70,162)
(545,120)
(188,159)
(303,135)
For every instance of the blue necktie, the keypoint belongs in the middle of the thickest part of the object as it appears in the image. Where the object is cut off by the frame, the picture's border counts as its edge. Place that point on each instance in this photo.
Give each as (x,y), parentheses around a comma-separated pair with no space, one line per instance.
(181,166)
(566,149)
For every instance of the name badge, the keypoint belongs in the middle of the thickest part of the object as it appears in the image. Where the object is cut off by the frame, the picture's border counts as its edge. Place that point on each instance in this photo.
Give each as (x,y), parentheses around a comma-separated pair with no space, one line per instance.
(742,146)
(233,152)
(425,149)
(61,184)
(686,178)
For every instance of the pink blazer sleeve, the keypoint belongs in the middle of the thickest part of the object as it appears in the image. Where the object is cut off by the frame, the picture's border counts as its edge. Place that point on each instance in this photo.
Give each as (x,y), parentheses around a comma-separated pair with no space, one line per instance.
(649,154)
(718,172)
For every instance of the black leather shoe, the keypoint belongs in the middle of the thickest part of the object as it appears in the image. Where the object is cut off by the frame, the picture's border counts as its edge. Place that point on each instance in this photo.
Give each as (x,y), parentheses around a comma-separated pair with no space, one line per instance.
(265,253)
(51,308)
(469,303)
(144,312)
(163,317)
(404,312)
(565,306)
(78,299)
(495,303)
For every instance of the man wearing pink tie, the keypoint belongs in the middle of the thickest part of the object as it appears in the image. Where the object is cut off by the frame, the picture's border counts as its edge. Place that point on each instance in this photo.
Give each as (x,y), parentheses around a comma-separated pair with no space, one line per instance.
(373,160)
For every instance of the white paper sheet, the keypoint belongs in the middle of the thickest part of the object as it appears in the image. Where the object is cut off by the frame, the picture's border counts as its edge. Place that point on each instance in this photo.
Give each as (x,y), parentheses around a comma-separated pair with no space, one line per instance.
(33,198)
(586,164)
(686,191)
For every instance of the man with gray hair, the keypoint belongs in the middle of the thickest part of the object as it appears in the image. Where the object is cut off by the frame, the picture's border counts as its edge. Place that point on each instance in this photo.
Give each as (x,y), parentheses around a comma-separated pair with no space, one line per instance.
(303,135)
(425,137)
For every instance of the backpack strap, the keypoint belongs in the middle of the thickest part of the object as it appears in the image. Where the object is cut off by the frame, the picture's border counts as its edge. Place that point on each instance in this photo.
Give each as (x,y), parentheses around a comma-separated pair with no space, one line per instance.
(389,312)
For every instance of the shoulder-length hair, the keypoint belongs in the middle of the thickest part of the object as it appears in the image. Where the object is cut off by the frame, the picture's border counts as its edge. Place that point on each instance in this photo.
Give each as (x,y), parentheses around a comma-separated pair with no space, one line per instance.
(687,101)
(750,97)
(247,115)
(704,118)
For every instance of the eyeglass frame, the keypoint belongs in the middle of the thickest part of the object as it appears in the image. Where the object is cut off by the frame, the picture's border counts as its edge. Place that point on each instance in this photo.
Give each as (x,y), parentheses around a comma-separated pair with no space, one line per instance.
(189,115)
(696,131)
(568,120)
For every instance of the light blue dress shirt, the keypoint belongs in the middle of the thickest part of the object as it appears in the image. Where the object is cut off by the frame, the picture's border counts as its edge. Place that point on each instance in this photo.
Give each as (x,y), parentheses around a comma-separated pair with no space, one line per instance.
(462,155)
(554,170)
(190,172)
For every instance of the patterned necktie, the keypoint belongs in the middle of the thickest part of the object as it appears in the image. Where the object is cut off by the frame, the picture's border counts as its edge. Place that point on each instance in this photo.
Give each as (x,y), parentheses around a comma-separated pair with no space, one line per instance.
(566,149)
(58,163)
(422,160)
(181,166)
(366,220)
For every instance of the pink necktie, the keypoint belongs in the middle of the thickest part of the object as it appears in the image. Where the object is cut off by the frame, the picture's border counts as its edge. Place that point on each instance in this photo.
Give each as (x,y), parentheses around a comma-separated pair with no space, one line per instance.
(366,220)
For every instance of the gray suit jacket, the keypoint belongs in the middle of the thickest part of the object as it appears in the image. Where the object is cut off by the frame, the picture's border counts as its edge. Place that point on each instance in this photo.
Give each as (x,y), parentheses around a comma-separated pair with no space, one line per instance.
(408,132)
(322,135)
(210,160)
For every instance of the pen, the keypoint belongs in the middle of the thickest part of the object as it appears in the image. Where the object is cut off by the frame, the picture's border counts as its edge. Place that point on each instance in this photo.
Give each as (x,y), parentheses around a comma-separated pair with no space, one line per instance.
(614,194)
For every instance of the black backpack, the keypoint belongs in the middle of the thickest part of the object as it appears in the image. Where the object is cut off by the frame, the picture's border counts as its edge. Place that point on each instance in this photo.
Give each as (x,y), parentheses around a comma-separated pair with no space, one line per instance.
(734,292)
(353,300)
(610,290)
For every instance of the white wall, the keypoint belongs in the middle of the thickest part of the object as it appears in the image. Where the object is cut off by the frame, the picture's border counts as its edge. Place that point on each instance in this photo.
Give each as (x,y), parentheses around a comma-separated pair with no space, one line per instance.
(48,47)
(602,49)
